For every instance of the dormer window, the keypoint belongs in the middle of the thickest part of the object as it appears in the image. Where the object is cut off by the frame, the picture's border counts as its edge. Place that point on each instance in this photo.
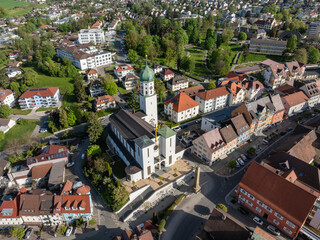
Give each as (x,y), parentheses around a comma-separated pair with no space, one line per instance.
(81,208)
(74,208)
(66,208)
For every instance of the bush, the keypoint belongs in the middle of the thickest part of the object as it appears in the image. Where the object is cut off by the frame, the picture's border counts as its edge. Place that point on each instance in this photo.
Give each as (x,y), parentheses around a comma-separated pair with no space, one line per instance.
(251,151)
(222,207)
(92,222)
(62,230)
(162,225)
(233,164)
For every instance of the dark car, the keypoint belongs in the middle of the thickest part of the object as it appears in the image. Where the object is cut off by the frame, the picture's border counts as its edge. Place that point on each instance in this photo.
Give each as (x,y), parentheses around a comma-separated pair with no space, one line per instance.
(243,211)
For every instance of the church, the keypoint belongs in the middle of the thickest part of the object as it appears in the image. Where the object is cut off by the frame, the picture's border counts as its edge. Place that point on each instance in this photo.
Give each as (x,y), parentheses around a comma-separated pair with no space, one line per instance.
(136,139)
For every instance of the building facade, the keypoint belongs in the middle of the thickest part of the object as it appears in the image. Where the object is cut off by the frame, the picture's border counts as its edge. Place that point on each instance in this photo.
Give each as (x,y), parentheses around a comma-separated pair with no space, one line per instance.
(267,46)
(95,36)
(211,100)
(7,97)
(39,97)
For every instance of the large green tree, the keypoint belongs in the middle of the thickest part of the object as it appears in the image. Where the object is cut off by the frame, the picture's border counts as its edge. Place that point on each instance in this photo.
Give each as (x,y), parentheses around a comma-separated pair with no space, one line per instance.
(111,88)
(95,128)
(5,111)
(211,85)
(79,90)
(72,119)
(30,77)
(17,232)
(292,43)
(301,55)
(242,36)
(47,50)
(63,118)
(133,56)
(313,55)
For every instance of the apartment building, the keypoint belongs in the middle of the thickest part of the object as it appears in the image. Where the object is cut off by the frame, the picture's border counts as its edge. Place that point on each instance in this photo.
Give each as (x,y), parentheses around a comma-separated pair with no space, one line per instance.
(123,70)
(267,24)
(83,56)
(96,88)
(181,107)
(50,153)
(314,31)
(312,91)
(105,102)
(211,100)
(130,81)
(275,75)
(295,103)
(7,97)
(230,138)
(39,97)
(276,199)
(94,35)
(241,127)
(267,46)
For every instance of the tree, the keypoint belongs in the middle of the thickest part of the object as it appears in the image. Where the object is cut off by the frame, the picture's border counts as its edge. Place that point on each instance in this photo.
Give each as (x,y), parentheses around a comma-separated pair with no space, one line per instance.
(47,50)
(94,150)
(108,169)
(5,111)
(222,207)
(160,89)
(15,86)
(301,55)
(211,85)
(30,77)
(227,35)
(292,43)
(72,119)
(242,36)
(121,196)
(233,164)
(133,56)
(63,118)
(313,55)
(162,224)
(92,222)
(100,164)
(1,135)
(95,128)
(2,12)
(188,64)
(111,88)
(79,89)
(17,232)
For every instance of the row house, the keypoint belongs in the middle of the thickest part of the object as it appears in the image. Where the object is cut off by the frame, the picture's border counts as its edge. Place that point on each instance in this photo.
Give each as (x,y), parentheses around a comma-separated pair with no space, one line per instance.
(209,146)
(96,88)
(130,81)
(181,107)
(276,199)
(166,74)
(7,97)
(214,99)
(295,103)
(241,127)
(177,83)
(253,89)
(105,102)
(39,97)
(121,71)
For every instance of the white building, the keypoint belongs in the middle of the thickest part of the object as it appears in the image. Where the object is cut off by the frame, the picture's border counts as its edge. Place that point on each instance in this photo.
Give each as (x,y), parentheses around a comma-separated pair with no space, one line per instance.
(7,97)
(211,100)
(39,97)
(105,102)
(122,70)
(84,57)
(96,36)
(177,83)
(6,124)
(312,91)
(181,107)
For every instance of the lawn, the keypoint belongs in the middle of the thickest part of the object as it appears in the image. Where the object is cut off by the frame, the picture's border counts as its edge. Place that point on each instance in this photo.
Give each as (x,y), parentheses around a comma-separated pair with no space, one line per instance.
(254,57)
(19,133)
(198,55)
(18,111)
(7,4)
(17,8)
(46,109)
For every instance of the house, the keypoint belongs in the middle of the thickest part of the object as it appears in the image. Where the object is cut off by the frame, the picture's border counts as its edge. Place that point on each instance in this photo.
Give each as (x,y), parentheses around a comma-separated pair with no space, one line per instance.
(295,103)
(209,146)
(6,124)
(192,91)
(230,138)
(121,71)
(91,74)
(157,68)
(166,74)
(267,46)
(93,35)
(49,154)
(14,54)
(252,32)
(130,81)
(211,100)
(253,89)
(13,72)
(222,226)
(177,83)
(14,64)
(312,91)
(238,91)
(275,75)
(181,107)
(241,128)
(9,210)
(275,199)
(7,97)
(105,102)
(96,88)
(39,97)
(295,70)
(279,109)
(267,24)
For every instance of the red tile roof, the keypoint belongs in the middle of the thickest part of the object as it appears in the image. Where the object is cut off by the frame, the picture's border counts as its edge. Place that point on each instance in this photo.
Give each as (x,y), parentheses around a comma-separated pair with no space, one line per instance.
(92,71)
(213,93)
(192,91)
(121,68)
(67,188)
(4,93)
(49,153)
(83,190)
(278,193)
(105,99)
(181,102)
(295,99)
(72,200)
(43,92)
(167,72)
(41,171)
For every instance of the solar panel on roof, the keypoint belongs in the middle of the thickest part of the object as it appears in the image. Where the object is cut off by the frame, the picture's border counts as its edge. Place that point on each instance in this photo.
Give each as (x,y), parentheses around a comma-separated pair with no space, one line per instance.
(33,90)
(42,89)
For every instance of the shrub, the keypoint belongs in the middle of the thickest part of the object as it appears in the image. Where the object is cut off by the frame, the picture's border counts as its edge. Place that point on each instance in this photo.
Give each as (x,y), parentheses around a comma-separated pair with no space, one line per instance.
(92,222)
(233,164)
(62,230)
(251,151)
(222,207)
(162,224)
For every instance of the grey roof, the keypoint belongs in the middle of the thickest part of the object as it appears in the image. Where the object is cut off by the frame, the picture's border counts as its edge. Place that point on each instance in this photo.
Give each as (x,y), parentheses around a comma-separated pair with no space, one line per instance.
(257,106)
(228,134)
(143,142)
(178,79)
(277,103)
(57,174)
(268,41)
(221,115)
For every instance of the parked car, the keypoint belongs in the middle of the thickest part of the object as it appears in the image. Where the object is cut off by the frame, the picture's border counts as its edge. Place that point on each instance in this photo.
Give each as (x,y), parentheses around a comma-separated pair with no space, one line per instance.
(265,141)
(243,211)
(238,165)
(28,233)
(70,164)
(42,130)
(69,231)
(258,221)
(240,162)
(244,158)
(273,230)
(82,156)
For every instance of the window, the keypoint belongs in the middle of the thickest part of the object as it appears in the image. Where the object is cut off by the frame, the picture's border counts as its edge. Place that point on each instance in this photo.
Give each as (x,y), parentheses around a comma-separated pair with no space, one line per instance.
(275,222)
(258,209)
(278,215)
(268,209)
(250,196)
(249,203)
(243,191)
(290,224)
(260,203)
(287,230)
(242,197)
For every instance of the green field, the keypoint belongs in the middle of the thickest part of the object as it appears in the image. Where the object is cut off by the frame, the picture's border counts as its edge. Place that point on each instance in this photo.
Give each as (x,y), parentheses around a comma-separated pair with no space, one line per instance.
(19,111)
(198,55)
(19,8)
(7,4)
(18,134)
(253,57)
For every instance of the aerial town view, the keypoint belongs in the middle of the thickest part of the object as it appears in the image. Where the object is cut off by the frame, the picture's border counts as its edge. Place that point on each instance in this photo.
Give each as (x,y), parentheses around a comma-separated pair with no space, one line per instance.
(160,119)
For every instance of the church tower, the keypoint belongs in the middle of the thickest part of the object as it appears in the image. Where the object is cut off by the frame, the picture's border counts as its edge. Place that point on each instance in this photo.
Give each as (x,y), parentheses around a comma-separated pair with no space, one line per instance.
(148,96)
